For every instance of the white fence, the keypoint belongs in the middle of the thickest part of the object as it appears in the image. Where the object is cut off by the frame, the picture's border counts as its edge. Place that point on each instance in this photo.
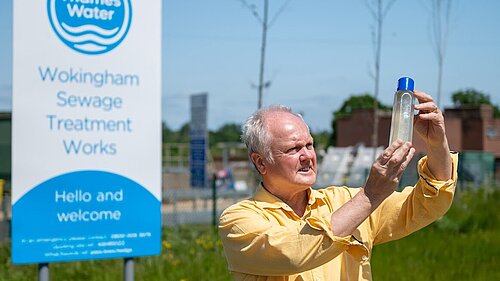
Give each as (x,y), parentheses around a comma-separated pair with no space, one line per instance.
(346,165)
(196,206)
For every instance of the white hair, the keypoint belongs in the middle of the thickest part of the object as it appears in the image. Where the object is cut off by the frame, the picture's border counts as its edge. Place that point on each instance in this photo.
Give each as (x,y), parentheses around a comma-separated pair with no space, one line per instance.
(255,133)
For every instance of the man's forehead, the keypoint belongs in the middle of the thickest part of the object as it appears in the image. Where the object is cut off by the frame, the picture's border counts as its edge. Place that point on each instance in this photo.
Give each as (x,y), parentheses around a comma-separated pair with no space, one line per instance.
(281,118)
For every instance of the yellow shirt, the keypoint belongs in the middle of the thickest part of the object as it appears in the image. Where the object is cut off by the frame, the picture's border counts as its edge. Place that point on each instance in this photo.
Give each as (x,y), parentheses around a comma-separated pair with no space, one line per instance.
(264,239)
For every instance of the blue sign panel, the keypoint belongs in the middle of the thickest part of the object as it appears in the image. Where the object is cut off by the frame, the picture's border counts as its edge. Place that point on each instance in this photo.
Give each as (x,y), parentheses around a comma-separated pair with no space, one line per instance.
(198,162)
(198,141)
(85,215)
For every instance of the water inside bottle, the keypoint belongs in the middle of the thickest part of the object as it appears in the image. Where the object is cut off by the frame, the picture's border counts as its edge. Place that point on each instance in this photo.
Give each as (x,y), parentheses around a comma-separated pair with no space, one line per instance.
(402,118)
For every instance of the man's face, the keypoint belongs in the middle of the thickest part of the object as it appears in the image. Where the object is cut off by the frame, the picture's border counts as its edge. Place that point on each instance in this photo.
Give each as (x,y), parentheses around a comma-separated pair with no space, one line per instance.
(293,152)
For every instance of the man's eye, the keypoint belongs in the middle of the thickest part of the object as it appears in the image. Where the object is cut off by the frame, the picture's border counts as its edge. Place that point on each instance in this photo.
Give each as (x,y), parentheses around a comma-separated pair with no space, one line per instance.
(309,146)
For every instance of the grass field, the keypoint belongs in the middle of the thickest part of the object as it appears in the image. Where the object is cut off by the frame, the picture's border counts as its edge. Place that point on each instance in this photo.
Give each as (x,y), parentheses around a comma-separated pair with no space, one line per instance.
(463,245)
(188,253)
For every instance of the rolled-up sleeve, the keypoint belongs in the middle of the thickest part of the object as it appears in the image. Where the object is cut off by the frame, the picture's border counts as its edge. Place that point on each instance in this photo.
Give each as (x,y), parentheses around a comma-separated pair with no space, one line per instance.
(414,207)
(433,186)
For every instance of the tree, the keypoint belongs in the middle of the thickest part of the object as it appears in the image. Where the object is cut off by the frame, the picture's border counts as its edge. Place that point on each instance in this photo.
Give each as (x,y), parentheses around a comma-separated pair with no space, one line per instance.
(166,132)
(266,24)
(441,12)
(227,133)
(363,101)
(378,11)
(171,136)
(473,97)
(322,139)
(183,134)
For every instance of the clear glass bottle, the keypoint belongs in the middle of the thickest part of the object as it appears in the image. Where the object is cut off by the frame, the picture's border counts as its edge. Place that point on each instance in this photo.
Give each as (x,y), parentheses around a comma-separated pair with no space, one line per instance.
(402,111)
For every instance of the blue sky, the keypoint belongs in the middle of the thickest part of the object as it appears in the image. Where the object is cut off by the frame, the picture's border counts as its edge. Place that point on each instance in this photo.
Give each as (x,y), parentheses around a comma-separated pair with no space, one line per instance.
(319,53)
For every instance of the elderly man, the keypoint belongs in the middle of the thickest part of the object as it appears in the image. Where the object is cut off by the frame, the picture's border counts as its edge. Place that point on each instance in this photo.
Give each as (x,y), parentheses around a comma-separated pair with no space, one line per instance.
(289,231)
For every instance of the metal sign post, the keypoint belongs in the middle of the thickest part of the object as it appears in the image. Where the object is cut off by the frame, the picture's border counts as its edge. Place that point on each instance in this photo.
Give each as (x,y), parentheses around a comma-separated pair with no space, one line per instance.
(43,272)
(128,269)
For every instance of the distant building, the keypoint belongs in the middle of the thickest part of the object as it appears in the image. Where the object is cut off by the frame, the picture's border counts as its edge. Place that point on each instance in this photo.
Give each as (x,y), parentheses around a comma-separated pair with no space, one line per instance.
(473,128)
(468,128)
(358,128)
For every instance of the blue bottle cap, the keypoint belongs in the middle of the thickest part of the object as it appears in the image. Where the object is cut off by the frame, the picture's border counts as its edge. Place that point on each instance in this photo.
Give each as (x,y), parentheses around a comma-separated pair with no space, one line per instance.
(406,84)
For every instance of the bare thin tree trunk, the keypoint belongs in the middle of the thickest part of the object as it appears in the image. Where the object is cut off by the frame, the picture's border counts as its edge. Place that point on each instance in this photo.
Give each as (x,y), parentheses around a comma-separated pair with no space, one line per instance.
(266,25)
(441,11)
(262,54)
(378,11)
(378,47)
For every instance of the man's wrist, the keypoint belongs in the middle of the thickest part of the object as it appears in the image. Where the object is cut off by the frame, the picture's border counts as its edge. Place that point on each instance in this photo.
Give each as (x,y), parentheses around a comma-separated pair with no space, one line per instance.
(369,199)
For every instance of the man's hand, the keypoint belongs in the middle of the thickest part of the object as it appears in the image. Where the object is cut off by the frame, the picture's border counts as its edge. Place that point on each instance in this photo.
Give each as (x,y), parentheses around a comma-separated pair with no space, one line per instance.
(386,171)
(429,124)
(382,181)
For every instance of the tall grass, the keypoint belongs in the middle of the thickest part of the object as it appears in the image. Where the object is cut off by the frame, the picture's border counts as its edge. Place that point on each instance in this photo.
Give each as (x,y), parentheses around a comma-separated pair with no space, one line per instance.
(463,245)
(189,253)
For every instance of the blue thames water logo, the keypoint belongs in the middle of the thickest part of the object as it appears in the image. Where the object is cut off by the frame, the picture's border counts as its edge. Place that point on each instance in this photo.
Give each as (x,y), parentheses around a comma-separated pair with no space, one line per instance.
(90,26)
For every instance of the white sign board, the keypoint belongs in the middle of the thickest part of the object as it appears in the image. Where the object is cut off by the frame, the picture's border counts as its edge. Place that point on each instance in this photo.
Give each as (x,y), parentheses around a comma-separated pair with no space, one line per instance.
(86,136)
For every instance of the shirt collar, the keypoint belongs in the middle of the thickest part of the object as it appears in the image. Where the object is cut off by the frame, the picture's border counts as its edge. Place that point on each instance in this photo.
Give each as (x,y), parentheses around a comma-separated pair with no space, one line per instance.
(268,200)
(315,195)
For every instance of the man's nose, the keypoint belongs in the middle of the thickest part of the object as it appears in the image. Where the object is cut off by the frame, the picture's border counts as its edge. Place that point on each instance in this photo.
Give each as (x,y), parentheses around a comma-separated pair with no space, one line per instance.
(306,154)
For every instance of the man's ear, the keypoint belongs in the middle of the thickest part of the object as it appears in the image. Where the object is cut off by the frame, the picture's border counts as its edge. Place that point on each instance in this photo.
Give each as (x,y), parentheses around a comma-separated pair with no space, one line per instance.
(258,162)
